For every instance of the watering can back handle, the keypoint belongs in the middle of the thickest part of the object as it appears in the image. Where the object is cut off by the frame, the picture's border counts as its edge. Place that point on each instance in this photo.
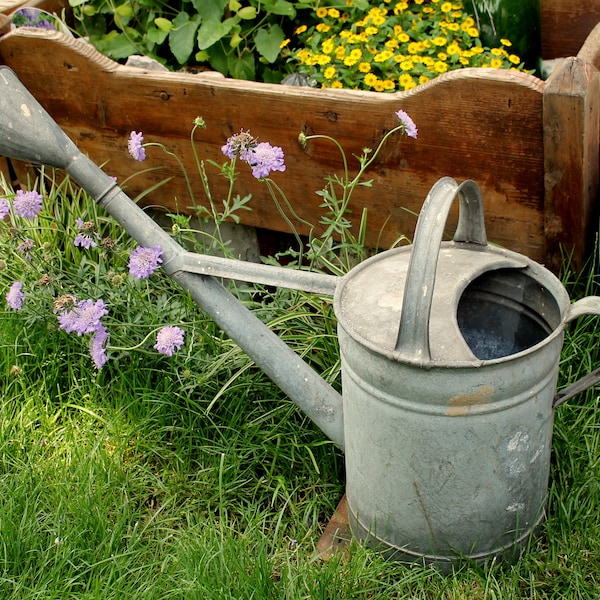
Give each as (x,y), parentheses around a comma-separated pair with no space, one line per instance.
(413,336)
(585,306)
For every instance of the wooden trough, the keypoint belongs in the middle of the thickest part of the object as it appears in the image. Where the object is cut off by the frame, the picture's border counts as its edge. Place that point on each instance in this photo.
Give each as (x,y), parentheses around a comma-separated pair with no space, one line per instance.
(532,145)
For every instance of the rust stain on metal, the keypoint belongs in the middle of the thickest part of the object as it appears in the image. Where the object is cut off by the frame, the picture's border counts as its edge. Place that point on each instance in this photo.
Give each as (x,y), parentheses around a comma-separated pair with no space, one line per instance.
(459,405)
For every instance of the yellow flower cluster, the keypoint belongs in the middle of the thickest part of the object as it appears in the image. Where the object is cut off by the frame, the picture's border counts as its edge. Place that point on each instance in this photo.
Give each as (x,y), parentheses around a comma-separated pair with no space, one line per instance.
(393,46)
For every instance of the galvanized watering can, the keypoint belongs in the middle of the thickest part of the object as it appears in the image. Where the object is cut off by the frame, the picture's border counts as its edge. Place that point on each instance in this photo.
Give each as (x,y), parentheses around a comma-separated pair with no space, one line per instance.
(450,354)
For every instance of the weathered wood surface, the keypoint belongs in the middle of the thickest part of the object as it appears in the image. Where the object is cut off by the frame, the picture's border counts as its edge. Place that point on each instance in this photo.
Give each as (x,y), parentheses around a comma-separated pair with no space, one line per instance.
(480,124)
(565,24)
(571,142)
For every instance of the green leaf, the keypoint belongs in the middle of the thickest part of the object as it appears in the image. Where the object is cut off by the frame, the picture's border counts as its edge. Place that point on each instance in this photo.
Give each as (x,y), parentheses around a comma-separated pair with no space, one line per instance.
(163,24)
(210,9)
(183,36)
(211,32)
(279,7)
(156,36)
(242,67)
(116,46)
(268,42)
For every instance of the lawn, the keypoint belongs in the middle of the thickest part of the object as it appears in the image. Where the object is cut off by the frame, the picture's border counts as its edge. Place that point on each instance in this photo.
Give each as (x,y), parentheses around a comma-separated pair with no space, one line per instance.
(193,476)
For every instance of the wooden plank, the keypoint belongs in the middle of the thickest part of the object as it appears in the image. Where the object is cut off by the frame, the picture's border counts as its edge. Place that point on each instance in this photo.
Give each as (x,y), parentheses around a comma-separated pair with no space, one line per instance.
(482,124)
(571,156)
(565,24)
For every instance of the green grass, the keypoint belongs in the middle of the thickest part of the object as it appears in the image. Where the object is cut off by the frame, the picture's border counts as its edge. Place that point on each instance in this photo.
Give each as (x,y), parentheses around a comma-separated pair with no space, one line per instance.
(195,478)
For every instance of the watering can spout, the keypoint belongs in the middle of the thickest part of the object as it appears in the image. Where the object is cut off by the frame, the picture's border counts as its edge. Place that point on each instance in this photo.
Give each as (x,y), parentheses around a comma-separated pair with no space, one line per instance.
(28,132)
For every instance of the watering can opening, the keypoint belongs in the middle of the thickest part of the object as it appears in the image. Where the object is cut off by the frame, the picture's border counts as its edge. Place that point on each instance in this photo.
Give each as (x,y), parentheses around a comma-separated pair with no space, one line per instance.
(504,312)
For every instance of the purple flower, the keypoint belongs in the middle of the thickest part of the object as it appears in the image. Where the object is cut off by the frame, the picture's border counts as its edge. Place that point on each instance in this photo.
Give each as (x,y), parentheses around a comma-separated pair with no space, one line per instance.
(84,317)
(238,143)
(98,346)
(169,339)
(263,159)
(135,146)
(4,208)
(408,125)
(32,17)
(15,297)
(85,239)
(27,204)
(144,261)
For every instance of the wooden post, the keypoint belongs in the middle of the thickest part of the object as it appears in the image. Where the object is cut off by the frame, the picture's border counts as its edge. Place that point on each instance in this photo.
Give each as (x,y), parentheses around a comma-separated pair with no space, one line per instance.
(571,159)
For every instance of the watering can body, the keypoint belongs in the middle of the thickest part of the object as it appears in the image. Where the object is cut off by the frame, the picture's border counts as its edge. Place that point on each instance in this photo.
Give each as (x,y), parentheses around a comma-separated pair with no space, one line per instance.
(450,355)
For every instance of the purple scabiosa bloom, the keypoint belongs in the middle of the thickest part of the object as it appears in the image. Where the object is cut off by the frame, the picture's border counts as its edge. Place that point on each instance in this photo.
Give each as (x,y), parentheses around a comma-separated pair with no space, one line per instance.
(169,339)
(144,261)
(238,143)
(84,317)
(87,236)
(263,159)
(4,208)
(408,125)
(33,17)
(27,204)
(15,297)
(98,346)
(135,146)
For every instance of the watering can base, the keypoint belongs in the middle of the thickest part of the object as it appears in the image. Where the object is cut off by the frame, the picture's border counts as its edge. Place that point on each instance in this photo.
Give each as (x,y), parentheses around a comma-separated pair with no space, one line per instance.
(506,553)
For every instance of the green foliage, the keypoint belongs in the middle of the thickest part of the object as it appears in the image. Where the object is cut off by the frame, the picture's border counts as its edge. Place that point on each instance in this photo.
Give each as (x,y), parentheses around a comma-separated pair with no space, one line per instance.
(239,39)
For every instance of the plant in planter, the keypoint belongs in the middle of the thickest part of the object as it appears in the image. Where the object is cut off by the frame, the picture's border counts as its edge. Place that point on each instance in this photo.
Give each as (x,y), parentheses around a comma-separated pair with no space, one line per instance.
(241,40)
(393,46)
(380,46)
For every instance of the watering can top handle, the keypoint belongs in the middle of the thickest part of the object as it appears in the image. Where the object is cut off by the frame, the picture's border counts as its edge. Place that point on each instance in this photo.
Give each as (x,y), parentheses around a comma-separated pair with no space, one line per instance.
(413,336)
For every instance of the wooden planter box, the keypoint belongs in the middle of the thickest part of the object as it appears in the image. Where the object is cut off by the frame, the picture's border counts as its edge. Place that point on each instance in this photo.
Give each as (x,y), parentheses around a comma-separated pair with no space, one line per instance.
(532,146)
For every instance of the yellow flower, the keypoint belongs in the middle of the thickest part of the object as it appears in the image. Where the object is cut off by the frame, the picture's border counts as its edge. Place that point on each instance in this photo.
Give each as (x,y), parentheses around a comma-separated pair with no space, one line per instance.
(364,67)
(327,46)
(378,20)
(371,30)
(322,59)
(440,67)
(321,12)
(423,79)
(340,52)
(388,84)
(514,59)
(406,81)
(505,42)
(473,32)
(467,23)
(446,7)
(403,37)
(370,79)
(453,48)
(378,86)
(284,43)
(442,56)
(407,65)
(323,27)
(496,51)
(400,6)
(300,29)
(496,63)
(334,13)
(337,84)
(439,41)
(383,56)
(391,44)
(329,73)
(453,26)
